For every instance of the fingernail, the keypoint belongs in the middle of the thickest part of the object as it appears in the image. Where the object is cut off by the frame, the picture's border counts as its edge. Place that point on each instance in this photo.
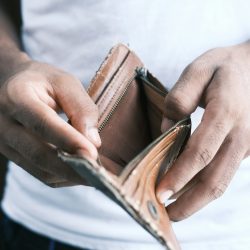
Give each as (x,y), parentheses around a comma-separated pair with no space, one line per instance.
(94,136)
(164,196)
(166,124)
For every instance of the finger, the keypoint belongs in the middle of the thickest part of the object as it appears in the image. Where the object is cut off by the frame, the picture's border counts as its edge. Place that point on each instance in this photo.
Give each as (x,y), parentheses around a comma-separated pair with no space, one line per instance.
(37,153)
(188,186)
(186,94)
(212,182)
(45,122)
(78,106)
(198,153)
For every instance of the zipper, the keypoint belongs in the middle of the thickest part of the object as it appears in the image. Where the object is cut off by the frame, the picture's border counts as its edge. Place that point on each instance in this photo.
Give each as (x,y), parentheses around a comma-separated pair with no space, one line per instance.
(119,99)
(141,73)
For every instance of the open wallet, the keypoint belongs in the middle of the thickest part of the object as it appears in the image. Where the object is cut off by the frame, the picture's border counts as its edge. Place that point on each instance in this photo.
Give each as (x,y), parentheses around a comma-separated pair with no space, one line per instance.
(134,154)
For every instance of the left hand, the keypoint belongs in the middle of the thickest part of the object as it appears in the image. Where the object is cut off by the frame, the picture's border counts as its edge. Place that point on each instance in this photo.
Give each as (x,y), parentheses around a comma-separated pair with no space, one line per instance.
(218,81)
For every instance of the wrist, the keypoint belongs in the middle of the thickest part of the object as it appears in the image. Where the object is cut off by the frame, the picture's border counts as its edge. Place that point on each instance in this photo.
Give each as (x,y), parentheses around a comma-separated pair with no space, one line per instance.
(11,61)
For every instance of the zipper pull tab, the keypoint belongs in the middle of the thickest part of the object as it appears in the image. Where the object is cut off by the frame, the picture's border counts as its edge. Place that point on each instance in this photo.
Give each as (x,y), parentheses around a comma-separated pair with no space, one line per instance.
(141,72)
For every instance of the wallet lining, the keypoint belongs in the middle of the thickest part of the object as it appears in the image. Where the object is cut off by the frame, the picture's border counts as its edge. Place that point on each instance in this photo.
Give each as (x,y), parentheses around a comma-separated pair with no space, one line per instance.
(121,150)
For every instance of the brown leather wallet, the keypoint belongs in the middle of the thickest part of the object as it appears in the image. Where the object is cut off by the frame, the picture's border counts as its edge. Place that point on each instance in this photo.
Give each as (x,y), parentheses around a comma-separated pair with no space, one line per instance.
(134,154)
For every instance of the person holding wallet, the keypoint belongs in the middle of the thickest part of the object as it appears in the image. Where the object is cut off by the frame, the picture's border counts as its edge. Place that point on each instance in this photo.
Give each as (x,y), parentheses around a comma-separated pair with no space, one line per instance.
(198,49)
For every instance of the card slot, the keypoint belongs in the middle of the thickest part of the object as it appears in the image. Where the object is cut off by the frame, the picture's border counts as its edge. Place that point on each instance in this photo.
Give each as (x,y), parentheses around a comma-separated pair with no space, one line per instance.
(151,168)
(184,125)
(142,169)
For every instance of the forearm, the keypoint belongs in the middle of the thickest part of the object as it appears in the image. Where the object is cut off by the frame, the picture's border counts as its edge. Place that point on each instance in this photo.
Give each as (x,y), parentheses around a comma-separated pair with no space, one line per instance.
(10,53)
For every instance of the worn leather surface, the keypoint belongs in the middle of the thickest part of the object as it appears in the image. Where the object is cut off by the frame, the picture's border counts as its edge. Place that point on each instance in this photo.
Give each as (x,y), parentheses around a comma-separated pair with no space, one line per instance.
(134,154)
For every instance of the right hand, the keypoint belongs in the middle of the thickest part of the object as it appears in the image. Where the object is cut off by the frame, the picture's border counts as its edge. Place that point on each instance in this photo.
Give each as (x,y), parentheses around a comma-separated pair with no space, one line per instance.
(31,130)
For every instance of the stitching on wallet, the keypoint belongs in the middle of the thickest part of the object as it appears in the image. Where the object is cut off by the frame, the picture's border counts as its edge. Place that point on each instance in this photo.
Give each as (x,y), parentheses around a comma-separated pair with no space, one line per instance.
(111,99)
(95,79)
(111,86)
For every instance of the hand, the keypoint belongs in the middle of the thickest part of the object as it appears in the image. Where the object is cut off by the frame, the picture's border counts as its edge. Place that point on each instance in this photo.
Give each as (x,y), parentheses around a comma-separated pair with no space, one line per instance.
(30,128)
(219,81)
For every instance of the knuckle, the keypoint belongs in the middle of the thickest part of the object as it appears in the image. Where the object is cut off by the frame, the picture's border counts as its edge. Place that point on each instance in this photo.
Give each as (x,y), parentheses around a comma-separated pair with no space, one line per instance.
(196,68)
(219,131)
(12,89)
(214,117)
(202,157)
(66,78)
(16,100)
(191,68)
(14,93)
(215,191)
(220,127)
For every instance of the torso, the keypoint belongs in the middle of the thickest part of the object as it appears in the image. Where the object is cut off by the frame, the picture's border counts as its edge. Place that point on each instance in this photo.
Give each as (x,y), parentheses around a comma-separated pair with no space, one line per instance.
(167,35)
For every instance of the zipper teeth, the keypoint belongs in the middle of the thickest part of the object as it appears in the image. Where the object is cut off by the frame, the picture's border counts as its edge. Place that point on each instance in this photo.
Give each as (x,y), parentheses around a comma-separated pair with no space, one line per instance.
(104,123)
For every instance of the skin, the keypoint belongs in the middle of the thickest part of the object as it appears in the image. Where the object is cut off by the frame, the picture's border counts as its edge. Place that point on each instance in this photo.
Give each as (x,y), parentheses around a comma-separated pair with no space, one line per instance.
(31,96)
(32,93)
(218,81)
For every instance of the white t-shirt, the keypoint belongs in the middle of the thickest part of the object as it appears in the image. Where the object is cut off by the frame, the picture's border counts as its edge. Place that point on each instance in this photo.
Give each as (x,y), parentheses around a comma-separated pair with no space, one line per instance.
(167,35)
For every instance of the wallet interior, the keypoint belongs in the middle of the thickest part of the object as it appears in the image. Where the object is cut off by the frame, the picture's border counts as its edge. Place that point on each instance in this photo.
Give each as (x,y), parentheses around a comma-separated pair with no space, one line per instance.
(133,122)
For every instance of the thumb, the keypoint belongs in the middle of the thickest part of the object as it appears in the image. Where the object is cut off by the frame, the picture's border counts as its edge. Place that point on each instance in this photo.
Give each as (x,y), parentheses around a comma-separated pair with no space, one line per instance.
(78,106)
(186,94)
